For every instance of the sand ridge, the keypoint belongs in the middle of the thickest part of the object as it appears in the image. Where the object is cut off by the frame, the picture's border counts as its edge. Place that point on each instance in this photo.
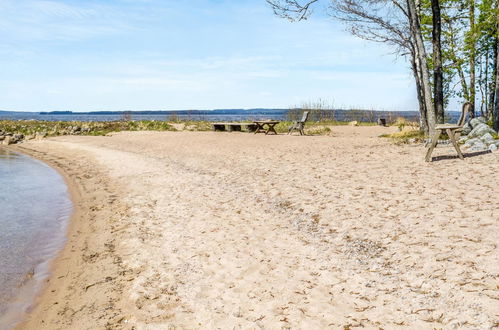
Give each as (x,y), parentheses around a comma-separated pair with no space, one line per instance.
(218,230)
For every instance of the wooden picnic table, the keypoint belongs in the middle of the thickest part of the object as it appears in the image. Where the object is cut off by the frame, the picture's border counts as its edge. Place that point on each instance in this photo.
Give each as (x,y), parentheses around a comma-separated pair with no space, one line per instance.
(260,126)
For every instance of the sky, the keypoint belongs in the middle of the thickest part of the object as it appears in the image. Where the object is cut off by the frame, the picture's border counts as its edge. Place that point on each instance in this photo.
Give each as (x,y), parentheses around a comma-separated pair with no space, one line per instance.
(188,54)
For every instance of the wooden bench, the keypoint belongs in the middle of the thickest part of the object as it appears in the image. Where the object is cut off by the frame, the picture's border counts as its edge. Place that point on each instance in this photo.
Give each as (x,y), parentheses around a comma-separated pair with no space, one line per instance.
(453,131)
(233,127)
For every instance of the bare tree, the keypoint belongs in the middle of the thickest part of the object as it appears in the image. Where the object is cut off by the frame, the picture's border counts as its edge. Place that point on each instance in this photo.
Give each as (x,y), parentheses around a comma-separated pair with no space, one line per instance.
(387,21)
(292,10)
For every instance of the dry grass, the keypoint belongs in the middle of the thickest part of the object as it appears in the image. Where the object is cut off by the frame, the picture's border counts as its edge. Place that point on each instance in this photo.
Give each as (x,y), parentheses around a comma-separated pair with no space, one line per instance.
(410,136)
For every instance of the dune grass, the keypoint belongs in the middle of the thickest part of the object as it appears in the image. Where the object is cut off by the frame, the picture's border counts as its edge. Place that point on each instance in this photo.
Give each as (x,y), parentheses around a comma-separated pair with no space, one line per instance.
(410,136)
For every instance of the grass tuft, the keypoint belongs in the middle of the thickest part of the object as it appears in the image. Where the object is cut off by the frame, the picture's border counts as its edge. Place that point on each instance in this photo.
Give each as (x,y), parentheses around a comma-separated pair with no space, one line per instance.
(405,136)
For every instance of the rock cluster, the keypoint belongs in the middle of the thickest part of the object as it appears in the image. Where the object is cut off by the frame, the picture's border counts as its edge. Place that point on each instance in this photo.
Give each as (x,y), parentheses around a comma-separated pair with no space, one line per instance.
(7,138)
(478,136)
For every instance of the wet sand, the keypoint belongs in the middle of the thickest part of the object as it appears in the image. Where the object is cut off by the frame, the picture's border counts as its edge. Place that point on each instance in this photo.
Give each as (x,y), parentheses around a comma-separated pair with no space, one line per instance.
(235,230)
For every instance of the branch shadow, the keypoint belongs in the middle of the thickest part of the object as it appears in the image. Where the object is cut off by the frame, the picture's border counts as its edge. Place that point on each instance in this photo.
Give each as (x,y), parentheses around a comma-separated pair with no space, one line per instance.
(467,155)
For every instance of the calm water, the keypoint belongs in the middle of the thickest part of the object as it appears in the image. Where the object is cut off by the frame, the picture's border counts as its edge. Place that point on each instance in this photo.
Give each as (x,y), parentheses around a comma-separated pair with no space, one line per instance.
(34,208)
(233,115)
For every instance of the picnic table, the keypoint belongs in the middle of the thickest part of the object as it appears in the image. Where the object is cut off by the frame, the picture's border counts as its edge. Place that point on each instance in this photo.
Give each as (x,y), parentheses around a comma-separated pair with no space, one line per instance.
(260,126)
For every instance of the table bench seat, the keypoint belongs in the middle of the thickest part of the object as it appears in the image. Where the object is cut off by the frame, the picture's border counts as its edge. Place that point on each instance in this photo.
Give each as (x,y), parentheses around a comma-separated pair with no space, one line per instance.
(233,127)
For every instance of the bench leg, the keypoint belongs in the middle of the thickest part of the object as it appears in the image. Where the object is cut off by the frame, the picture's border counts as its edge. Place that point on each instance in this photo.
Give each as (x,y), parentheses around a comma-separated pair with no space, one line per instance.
(234,128)
(220,128)
(452,137)
(271,129)
(434,142)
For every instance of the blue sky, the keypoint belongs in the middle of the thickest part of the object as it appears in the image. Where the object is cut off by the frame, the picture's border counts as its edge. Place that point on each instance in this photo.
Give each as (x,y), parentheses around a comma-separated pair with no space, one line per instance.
(187,54)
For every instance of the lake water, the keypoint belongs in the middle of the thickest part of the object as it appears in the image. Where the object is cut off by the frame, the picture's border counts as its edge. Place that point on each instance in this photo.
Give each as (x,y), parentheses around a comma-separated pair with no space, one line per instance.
(225,115)
(34,211)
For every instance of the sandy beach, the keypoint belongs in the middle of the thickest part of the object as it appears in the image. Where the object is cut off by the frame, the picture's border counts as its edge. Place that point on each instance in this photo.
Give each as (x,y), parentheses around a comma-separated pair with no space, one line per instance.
(187,230)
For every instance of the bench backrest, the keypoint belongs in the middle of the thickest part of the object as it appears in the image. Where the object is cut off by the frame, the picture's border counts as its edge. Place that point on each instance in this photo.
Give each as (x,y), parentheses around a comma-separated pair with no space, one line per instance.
(464,112)
(304,117)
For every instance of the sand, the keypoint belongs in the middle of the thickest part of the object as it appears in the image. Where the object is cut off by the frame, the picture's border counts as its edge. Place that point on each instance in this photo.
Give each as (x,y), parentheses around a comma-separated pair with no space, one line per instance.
(183,230)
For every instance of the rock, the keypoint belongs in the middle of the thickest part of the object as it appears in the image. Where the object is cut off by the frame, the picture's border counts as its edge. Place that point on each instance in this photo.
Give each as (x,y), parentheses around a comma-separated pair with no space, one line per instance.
(477,121)
(463,139)
(492,147)
(353,123)
(479,146)
(40,135)
(471,142)
(487,138)
(18,137)
(7,140)
(480,130)
(466,129)
(2,137)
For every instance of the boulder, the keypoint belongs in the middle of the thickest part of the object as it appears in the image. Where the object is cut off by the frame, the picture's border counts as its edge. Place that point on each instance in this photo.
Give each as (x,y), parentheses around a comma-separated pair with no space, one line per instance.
(480,130)
(18,137)
(466,129)
(353,123)
(487,138)
(40,135)
(479,146)
(7,140)
(493,147)
(477,121)
(471,142)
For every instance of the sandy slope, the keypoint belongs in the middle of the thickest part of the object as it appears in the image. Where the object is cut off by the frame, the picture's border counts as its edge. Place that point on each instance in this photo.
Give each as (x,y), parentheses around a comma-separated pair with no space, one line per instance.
(235,230)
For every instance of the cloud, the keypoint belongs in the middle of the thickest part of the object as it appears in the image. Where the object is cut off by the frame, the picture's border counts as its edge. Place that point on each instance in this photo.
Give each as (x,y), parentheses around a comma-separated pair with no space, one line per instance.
(51,20)
(157,54)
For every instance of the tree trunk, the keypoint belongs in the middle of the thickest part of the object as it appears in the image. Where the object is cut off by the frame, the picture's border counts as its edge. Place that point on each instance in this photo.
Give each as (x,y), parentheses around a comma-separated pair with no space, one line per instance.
(484,85)
(421,57)
(472,50)
(496,104)
(493,84)
(423,122)
(438,87)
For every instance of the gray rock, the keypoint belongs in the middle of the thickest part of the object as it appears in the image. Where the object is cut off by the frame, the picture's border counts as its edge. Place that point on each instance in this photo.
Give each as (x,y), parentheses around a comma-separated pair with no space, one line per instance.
(477,121)
(466,129)
(18,137)
(479,146)
(492,147)
(487,138)
(480,130)
(473,122)
(471,142)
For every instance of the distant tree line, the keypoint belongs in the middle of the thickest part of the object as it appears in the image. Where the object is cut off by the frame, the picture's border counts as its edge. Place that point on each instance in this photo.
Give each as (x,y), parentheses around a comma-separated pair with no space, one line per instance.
(451,45)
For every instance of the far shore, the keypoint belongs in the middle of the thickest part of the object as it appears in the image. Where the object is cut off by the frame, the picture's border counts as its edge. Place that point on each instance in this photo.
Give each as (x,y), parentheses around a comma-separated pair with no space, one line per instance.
(223,230)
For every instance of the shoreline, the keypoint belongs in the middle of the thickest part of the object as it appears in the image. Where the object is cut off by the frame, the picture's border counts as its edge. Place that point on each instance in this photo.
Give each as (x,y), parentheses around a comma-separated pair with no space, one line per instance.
(54,262)
(205,230)
(58,287)
(32,282)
